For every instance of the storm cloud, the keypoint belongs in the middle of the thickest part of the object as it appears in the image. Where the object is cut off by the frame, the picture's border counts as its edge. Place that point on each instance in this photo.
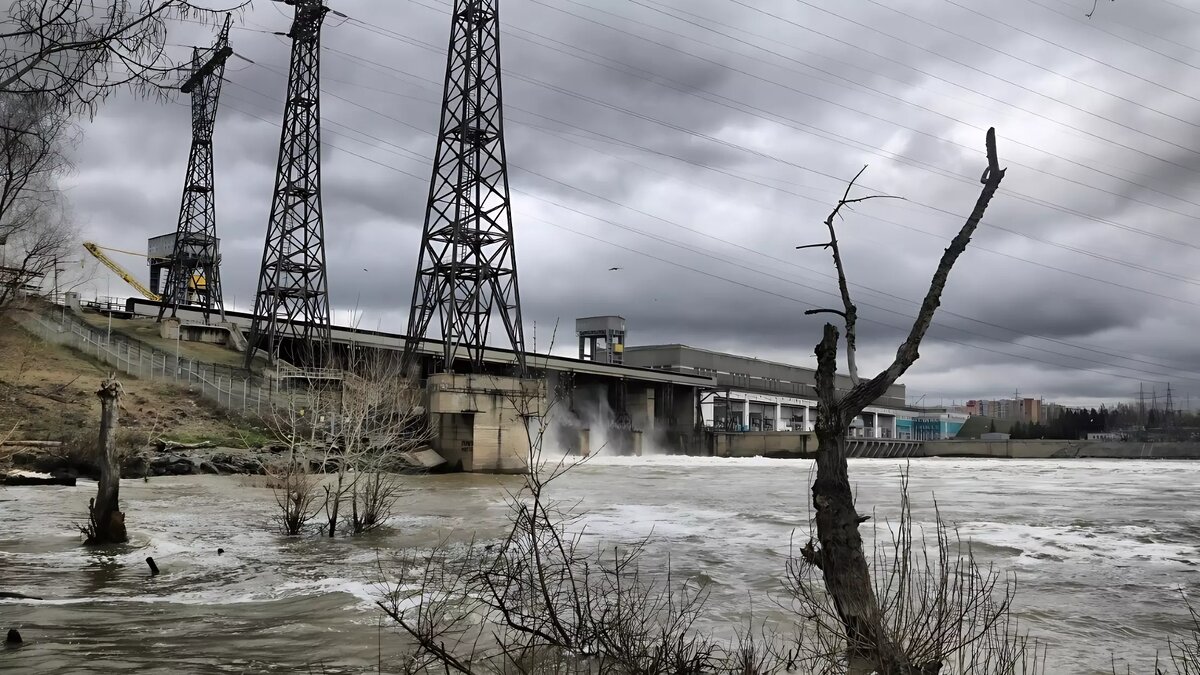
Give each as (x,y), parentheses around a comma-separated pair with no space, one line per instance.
(694,144)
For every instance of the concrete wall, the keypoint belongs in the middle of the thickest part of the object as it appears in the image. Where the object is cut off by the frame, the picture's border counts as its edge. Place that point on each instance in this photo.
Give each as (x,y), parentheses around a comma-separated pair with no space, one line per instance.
(763,444)
(217,334)
(640,403)
(479,423)
(1050,449)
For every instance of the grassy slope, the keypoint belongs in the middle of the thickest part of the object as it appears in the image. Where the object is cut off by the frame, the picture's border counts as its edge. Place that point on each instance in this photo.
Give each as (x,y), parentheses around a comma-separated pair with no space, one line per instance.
(146,331)
(50,392)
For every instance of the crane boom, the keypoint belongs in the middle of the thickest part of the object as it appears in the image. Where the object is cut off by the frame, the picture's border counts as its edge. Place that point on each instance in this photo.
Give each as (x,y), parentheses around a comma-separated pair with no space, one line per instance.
(120,271)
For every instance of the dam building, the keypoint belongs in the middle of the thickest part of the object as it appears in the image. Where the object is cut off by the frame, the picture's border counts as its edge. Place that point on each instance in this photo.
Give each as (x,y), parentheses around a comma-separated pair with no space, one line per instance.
(755,395)
(672,396)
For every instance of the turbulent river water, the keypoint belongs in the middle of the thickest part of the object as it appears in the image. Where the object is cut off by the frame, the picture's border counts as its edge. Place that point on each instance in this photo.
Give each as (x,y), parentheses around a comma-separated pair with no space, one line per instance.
(1100,550)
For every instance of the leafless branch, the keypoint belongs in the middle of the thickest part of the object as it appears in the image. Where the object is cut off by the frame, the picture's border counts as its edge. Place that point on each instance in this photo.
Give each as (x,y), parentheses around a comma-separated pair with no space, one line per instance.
(850,312)
(76,52)
(1093,10)
(865,392)
(811,312)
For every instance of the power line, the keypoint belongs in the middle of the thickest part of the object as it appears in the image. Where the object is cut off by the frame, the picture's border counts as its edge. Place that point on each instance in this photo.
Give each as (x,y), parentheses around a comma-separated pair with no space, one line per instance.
(1010,82)
(934,76)
(724,259)
(1094,25)
(1098,256)
(1080,164)
(1064,48)
(920,164)
(946,212)
(789,281)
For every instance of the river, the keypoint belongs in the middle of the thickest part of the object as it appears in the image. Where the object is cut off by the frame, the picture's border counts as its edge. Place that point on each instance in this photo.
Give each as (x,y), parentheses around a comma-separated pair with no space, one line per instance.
(1100,550)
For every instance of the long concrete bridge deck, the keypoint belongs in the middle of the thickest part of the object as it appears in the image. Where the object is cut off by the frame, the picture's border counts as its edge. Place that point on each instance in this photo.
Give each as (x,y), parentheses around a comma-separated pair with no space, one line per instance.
(344,335)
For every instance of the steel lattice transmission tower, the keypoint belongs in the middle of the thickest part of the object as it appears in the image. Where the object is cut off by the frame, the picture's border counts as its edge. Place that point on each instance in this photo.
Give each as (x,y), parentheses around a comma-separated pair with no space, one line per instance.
(195,255)
(467,267)
(291,307)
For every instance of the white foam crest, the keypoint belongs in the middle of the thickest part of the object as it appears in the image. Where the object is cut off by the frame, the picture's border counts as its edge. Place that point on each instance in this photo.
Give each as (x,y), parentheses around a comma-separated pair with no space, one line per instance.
(1077,543)
(602,459)
(366,593)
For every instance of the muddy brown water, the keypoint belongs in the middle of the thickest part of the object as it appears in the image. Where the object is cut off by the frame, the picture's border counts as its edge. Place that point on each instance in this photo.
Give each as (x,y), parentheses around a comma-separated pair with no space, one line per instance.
(1100,549)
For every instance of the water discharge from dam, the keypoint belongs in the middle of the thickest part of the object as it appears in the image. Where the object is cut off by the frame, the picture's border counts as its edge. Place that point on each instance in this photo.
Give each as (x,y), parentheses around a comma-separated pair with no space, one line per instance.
(1100,550)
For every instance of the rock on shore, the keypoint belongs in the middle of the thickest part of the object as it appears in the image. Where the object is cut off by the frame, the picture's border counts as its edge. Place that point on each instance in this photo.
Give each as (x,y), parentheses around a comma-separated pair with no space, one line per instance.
(147,462)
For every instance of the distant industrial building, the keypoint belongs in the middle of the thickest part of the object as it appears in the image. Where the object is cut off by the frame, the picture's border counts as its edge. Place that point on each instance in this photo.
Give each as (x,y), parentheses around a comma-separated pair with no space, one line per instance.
(932,424)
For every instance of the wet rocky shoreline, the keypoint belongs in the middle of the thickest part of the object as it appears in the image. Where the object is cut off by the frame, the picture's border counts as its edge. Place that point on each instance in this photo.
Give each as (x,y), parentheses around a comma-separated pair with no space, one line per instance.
(149,462)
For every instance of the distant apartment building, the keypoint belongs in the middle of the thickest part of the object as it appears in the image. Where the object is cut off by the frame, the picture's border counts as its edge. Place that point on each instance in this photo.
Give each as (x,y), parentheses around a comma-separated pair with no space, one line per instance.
(1023,410)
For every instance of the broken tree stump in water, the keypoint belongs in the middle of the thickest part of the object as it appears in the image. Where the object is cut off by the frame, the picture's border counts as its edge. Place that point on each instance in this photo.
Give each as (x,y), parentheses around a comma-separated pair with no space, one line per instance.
(106,522)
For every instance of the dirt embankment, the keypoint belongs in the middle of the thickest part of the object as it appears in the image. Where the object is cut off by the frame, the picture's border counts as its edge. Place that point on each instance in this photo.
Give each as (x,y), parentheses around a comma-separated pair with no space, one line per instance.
(47,393)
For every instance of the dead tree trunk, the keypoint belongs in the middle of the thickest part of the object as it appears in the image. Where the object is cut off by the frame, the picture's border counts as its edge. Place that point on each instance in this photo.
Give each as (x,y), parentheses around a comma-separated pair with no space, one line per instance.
(106,521)
(840,556)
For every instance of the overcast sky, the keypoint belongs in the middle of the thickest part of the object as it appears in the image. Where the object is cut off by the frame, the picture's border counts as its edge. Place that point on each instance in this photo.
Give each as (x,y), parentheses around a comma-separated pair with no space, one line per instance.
(695,143)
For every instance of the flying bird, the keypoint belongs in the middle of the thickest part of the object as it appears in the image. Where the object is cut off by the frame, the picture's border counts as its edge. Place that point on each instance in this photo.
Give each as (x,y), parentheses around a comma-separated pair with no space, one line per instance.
(614,269)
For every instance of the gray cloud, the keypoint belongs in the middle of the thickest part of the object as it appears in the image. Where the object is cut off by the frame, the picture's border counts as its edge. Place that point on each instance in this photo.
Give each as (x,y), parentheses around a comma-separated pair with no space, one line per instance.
(749,159)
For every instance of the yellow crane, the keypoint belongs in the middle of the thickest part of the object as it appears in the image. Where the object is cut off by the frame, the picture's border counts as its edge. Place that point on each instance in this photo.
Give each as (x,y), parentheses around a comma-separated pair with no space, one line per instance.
(111,264)
(196,283)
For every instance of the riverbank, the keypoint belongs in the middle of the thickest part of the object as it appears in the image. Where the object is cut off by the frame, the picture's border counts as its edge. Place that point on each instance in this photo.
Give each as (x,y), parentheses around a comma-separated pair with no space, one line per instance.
(142,462)
(47,393)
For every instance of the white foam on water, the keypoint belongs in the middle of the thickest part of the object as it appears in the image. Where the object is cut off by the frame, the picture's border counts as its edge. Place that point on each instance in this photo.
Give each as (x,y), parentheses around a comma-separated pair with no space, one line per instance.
(1076,543)
(602,459)
(366,593)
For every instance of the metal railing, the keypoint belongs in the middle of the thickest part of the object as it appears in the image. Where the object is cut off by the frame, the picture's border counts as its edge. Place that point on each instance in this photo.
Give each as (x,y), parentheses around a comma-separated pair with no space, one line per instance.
(232,388)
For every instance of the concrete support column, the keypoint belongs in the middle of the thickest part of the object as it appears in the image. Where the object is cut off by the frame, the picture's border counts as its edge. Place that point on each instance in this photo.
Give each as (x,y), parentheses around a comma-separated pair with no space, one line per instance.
(778,416)
(807,421)
(745,411)
(895,431)
(640,405)
(875,425)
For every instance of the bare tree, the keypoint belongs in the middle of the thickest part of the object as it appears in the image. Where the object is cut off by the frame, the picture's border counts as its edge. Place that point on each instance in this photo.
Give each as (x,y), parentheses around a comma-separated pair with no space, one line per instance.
(33,134)
(539,599)
(33,230)
(291,477)
(377,418)
(31,254)
(78,51)
(838,551)
(941,607)
(346,439)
